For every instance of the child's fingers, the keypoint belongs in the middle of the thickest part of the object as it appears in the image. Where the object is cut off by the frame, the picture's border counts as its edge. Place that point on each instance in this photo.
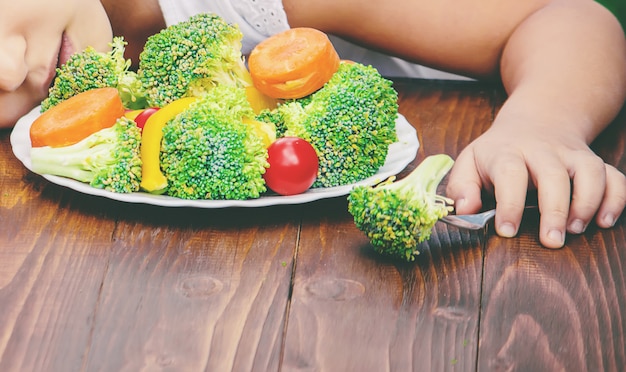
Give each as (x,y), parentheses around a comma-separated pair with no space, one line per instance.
(510,179)
(464,184)
(553,195)
(614,198)
(589,185)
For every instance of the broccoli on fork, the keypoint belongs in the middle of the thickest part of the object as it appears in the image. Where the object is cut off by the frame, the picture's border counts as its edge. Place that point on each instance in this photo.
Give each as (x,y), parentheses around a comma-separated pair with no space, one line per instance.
(191,57)
(397,215)
(108,159)
(90,69)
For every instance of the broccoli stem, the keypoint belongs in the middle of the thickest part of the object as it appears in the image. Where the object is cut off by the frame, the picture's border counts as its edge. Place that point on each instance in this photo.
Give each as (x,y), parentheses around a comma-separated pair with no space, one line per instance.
(427,176)
(76,161)
(63,171)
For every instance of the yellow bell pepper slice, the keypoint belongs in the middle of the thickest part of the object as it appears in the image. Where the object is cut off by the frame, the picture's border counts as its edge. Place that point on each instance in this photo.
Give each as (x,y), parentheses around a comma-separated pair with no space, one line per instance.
(260,101)
(152,179)
(265,131)
(132,114)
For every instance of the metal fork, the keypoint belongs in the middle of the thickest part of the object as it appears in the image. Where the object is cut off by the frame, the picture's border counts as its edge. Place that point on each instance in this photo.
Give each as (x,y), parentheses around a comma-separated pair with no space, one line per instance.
(472,221)
(469,221)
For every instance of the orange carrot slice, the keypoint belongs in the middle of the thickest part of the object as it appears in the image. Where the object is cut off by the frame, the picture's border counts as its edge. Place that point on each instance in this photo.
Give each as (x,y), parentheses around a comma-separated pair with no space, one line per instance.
(76,118)
(293,63)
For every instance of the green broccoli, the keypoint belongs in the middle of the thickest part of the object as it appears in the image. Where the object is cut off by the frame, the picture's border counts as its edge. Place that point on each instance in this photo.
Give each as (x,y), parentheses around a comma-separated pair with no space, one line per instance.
(190,58)
(207,152)
(108,159)
(274,117)
(350,122)
(91,69)
(396,216)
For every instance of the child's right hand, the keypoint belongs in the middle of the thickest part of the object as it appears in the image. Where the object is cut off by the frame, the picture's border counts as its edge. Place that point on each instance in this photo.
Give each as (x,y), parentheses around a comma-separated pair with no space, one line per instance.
(573,184)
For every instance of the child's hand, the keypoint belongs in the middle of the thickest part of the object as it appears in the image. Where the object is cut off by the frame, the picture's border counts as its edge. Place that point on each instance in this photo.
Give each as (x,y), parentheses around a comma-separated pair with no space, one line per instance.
(573,184)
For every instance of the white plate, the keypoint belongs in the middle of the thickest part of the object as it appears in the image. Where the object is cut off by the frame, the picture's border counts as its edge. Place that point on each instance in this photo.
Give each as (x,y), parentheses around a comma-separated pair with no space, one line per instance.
(400,154)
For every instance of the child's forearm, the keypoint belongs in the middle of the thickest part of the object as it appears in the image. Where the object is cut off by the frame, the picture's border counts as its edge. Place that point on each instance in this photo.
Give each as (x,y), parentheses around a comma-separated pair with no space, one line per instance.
(564,67)
(568,62)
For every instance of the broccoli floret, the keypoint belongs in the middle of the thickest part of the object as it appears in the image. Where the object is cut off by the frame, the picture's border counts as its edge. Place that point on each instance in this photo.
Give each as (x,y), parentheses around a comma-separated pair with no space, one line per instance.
(91,69)
(191,57)
(397,215)
(350,122)
(108,159)
(207,152)
(273,117)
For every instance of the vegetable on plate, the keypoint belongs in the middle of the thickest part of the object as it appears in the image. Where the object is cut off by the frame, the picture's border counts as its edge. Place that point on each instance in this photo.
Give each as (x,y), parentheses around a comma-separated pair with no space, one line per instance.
(90,69)
(208,152)
(152,179)
(266,131)
(260,101)
(76,118)
(107,159)
(141,117)
(293,166)
(190,58)
(350,121)
(293,63)
(208,124)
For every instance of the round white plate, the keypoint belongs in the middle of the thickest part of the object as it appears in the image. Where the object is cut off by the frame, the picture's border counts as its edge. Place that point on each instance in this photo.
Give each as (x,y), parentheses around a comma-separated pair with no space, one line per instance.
(401,153)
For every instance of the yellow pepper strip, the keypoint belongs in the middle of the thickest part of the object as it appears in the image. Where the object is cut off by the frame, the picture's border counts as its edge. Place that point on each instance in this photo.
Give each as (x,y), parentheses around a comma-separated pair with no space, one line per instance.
(260,101)
(265,131)
(152,179)
(132,114)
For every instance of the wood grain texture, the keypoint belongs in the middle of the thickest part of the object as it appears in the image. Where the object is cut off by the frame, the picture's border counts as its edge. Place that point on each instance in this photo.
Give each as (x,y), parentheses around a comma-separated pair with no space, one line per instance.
(352,310)
(52,262)
(97,285)
(91,284)
(203,290)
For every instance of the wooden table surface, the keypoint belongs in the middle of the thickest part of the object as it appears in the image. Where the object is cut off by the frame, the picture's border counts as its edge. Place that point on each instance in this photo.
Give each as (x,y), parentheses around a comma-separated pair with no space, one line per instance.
(92,284)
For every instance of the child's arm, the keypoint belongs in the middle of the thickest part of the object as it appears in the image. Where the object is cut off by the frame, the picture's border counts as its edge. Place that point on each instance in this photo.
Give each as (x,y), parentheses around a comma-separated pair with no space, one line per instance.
(565,70)
(135,20)
(563,62)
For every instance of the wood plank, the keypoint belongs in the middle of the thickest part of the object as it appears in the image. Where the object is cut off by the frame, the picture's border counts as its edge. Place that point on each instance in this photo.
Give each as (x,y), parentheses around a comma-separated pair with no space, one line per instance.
(448,115)
(53,255)
(94,284)
(558,310)
(192,289)
(355,311)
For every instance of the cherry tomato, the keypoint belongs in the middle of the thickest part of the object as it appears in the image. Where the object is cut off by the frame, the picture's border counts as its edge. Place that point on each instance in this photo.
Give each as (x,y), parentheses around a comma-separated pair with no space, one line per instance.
(141,118)
(293,166)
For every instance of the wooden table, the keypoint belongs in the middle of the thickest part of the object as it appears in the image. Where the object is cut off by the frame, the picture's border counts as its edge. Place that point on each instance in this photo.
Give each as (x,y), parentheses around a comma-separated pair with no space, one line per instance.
(92,284)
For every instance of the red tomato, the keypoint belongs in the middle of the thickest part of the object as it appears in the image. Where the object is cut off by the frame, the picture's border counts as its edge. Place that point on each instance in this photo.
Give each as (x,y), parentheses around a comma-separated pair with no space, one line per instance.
(144,115)
(293,166)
